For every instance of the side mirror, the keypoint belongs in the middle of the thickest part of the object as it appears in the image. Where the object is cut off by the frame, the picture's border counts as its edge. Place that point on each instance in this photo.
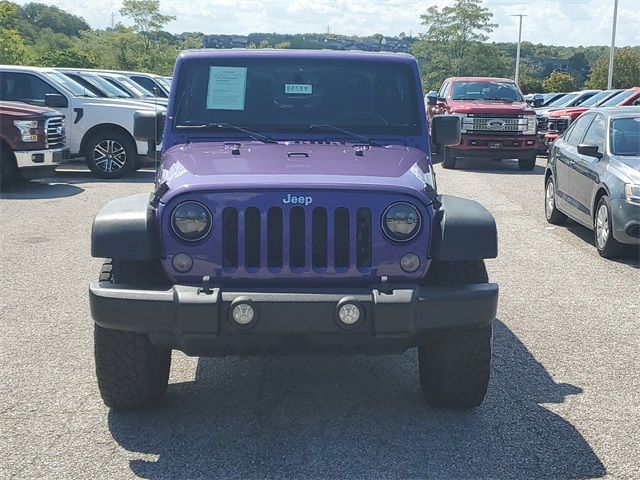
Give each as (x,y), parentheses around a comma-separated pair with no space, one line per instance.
(589,151)
(432,98)
(538,100)
(148,126)
(55,100)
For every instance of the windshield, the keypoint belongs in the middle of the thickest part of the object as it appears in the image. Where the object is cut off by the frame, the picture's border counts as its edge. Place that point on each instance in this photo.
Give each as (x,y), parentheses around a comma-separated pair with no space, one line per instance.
(489,90)
(70,85)
(267,94)
(564,100)
(597,98)
(110,88)
(619,98)
(625,136)
(131,85)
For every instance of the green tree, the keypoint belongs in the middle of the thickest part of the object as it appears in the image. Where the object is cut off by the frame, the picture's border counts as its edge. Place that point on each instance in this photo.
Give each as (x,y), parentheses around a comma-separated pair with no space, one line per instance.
(146,17)
(559,82)
(12,47)
(453,35)
(45,16)
(67,58)
(530,84)
(626,69)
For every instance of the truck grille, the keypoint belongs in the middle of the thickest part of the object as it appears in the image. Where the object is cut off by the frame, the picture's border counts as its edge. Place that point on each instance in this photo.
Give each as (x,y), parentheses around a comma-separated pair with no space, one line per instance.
(318,238)
(543,122)
(55,132)
(558,125)
(492,125)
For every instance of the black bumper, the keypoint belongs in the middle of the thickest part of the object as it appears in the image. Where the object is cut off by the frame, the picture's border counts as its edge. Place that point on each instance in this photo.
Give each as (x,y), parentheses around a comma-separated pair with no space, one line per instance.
(185,318)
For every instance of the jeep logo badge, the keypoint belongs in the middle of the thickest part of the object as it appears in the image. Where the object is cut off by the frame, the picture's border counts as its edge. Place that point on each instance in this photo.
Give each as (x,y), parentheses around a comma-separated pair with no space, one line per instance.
(288,198)
(495,124)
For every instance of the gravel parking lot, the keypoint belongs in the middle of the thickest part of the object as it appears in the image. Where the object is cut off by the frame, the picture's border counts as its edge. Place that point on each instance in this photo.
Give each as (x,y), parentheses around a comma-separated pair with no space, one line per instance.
(564,400)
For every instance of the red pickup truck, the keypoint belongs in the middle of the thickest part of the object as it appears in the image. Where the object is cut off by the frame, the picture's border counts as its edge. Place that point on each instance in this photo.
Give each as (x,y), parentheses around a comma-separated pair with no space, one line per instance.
(496,121)
(32,141)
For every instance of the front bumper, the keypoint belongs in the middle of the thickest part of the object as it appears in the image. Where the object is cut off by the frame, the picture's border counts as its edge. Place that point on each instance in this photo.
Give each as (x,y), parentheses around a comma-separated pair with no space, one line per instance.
(626,221)
(290,321)
(496,146)
(41,158)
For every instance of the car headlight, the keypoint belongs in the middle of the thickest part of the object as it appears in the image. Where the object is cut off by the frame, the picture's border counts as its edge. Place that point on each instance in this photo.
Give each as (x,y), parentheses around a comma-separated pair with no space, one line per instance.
(401,221)
(191,221)
(528,125)
(28,130)
(632,192)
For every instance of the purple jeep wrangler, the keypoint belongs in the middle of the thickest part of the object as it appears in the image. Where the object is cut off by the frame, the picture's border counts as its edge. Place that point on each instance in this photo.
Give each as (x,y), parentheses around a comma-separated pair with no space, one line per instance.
(295,210)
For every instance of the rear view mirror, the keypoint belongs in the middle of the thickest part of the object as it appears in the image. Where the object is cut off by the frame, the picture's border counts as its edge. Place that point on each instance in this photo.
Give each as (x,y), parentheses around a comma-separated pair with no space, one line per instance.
(55,100)
(432,98)
(589,151)
(538,100)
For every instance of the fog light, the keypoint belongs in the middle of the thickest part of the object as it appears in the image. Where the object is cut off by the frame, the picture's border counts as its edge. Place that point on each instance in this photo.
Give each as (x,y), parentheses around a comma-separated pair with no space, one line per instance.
(410,262)
(182,262)
(243,313)
(349,314)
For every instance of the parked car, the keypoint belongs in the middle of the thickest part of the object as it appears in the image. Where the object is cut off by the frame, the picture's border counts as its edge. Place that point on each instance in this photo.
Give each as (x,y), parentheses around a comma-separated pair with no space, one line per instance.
(496,121)
(97,85)
(559,120)
(593,177)
(294,213)
(629,97)
(548,98)
(131,87)
(150,82)
(32,141)
(98,129)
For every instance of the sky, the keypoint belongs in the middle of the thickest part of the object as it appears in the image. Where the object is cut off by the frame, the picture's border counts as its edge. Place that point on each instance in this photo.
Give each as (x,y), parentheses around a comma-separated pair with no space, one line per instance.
(552,22)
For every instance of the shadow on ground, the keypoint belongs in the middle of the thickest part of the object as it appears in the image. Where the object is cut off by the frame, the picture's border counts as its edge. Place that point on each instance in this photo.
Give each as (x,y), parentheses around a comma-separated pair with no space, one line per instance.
(355,417)
(630,256)
(501,167)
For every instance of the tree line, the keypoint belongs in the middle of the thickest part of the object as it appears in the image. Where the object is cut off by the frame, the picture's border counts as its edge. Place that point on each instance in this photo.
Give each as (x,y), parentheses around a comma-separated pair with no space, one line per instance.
(455,43)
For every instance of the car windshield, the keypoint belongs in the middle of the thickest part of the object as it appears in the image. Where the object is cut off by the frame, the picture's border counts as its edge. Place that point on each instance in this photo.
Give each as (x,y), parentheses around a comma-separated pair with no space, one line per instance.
(131,85)
(625,136)
(110,88)
(489,90)
(564,100)
(619,98)
(597,98)
(70,85)
(272,95)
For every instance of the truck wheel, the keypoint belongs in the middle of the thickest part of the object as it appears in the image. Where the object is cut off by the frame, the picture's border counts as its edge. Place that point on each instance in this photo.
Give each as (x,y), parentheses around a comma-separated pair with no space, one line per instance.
(132,373)
(111,154)
(448,159)
(527,163)
(9,171)
(608,247)
(455,364)
(554,216)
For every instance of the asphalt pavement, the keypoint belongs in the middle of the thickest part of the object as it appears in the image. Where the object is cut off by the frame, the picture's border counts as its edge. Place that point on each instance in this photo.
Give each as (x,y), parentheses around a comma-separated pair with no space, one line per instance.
(563,403)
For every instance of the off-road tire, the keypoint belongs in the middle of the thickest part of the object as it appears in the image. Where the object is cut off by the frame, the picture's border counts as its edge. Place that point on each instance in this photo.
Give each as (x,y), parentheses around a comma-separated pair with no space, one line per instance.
(123,139)
(132,373)
(9,171)
(611,248)
(527,163)
(455,364)
(551,212)
(448,159)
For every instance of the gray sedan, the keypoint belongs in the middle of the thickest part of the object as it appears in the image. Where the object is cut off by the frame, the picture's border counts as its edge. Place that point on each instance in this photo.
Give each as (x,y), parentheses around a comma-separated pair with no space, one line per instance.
(593,177)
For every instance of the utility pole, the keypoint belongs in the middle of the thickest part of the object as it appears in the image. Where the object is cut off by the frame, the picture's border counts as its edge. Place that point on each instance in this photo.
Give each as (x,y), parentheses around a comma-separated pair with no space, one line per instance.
(518,49)
(612,51)
(113,18)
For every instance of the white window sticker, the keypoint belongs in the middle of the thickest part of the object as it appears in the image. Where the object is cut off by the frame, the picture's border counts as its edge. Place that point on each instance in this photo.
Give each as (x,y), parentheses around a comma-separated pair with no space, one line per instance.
(298,88)
(227,88)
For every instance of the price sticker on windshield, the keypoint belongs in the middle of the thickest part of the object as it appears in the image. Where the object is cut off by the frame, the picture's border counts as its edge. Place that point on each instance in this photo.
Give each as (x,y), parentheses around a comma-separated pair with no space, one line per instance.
(298,88)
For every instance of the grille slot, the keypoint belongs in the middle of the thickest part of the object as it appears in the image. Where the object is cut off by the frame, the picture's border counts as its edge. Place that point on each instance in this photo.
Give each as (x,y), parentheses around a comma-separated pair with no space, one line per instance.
(363,237)
(55,132)
(274,237)
(319,243)
(296,237)
(252,237)
(341,237)
(230,238)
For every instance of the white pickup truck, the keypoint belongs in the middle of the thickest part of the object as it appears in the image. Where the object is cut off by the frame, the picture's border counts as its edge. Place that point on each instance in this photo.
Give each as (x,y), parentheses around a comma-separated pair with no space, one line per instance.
(99,129)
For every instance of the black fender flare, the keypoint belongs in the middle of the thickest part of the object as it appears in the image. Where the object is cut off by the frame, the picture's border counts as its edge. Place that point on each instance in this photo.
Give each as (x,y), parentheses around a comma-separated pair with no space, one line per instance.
(463,230)
(125,228)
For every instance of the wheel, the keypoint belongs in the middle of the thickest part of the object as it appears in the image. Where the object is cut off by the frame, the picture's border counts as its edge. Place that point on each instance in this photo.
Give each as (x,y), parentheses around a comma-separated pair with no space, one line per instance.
(448,159)
(132,373)
(111,154)
(554,216)
(608,247)
(9,171)
(455,364)
(527,163)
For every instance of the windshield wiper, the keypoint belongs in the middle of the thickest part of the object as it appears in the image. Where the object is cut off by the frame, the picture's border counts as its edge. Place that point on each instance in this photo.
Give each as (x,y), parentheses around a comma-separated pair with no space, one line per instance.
(213,125)
(357,136)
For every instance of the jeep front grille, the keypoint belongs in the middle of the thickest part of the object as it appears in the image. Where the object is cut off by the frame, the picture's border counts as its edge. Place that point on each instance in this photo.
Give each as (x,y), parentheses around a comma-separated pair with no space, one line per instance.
(317,238)
(55,132)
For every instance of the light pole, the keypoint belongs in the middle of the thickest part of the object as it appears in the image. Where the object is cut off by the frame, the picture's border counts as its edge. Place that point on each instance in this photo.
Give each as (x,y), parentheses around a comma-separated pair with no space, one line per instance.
(612,51)
(518,49)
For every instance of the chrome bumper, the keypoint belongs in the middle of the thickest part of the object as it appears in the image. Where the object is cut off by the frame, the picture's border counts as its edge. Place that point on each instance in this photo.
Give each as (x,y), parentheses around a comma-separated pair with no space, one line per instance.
(41,158)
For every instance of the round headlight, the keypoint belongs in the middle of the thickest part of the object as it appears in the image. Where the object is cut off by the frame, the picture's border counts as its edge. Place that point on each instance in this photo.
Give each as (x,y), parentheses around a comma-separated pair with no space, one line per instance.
(191,221)
(401,221)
